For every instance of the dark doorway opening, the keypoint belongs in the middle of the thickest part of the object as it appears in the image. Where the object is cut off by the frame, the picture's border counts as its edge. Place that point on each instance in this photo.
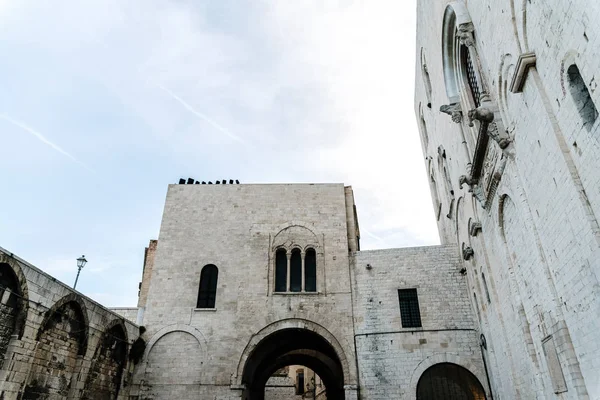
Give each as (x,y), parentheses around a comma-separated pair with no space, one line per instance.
(293,346)
(448,381)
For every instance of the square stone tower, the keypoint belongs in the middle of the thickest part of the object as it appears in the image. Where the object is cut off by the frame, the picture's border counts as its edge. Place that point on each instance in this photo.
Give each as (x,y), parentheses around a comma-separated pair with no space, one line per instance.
(237,263)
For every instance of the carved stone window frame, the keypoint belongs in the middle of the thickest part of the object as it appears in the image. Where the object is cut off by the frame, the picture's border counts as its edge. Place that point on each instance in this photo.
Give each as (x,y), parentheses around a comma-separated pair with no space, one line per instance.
(302,239)
(484,122)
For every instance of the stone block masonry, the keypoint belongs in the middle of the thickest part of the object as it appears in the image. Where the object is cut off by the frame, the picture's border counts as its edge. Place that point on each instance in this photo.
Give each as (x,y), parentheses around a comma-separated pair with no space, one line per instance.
(56,343)
(507,107)
(391,358)
(349,330)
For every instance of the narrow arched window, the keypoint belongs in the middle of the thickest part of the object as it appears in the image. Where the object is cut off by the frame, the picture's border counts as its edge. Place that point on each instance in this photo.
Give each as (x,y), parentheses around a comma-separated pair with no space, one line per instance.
(426,79)
(208,287)
(310,271)
(477,307)
(581,97)
(485,286)
(280,270)
(296,271)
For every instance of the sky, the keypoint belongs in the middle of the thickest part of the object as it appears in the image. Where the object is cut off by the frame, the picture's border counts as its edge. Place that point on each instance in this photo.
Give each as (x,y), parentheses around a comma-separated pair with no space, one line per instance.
(103,103)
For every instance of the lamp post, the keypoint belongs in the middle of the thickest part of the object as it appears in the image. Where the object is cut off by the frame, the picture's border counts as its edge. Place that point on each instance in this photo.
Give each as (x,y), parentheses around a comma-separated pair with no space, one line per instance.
(81,261)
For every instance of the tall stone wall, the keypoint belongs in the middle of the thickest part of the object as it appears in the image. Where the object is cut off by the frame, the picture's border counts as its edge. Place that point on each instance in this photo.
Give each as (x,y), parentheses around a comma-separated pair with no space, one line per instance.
(149,255)
(56,343)
(236,228)
(391,359)
(529,224)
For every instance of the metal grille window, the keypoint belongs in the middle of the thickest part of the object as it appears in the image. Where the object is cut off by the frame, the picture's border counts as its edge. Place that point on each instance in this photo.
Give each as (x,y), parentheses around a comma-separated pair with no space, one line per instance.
(471,77)
(409,308)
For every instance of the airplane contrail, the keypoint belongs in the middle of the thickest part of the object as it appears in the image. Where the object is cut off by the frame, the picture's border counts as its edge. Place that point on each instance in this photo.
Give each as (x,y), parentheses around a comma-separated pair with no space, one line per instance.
(42,138)
(200,115)
(371,234)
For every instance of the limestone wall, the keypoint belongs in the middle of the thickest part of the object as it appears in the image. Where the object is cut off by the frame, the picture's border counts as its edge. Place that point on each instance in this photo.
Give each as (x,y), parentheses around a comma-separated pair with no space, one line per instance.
(391,358)
(57,343)
(235,227)
(129,313)
(533,275)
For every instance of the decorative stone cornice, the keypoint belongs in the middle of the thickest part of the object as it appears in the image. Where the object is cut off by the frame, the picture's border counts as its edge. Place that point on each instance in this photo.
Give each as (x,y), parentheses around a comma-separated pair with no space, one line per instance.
(454,110)
(525,61)
(467,253)
(475,228)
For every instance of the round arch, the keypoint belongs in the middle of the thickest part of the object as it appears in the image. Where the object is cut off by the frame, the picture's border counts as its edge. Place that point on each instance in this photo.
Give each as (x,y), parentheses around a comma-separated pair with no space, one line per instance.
(449,381)
(455,15)
(176,328)
(289,342)
(295,234)
(473,365)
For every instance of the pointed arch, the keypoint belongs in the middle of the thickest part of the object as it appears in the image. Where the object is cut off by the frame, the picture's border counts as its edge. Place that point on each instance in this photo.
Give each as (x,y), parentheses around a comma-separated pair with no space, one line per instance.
(108,363)
(21,295)
(61,343)
(76,303)
(474,365)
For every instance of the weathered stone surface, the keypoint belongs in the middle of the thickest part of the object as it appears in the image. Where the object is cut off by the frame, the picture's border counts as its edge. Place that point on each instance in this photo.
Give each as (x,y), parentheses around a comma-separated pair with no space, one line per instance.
(536,194)
(58,344)
(349,331)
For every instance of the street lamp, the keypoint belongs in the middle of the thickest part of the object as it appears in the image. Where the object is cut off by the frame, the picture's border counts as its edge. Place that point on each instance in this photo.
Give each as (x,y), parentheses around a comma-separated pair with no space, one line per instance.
(81,261)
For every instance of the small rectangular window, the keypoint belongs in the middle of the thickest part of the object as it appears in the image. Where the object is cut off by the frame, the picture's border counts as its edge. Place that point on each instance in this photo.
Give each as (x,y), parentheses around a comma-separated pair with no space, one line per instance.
(409,308)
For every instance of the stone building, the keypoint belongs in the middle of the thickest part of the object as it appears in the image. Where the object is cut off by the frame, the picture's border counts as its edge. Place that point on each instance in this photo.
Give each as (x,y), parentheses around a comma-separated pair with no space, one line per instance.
(506,99)
(56,343)
(247,279)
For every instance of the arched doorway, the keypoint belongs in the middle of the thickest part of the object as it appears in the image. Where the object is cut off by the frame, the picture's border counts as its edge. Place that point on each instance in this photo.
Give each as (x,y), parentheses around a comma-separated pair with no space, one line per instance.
(293,346)
(447,381)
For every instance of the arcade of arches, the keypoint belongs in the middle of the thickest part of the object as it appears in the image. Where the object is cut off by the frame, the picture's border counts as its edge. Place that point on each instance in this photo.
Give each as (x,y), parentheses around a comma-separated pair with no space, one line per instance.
(62,345)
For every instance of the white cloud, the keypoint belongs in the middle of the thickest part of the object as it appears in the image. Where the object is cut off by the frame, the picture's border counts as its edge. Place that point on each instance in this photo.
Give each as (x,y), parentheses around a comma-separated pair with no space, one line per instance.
(301,90)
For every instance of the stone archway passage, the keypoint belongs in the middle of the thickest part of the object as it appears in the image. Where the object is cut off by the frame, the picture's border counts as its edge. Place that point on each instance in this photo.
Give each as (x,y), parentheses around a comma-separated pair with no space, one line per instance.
(293,346)
(447,381)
